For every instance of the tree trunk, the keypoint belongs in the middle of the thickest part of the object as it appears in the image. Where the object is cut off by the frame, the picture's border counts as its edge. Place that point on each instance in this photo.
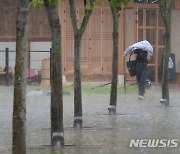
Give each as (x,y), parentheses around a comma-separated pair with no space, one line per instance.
(19,108)
(165,74)
(77,82)
(165,10)
(57,133)
(78,32)
(113,97)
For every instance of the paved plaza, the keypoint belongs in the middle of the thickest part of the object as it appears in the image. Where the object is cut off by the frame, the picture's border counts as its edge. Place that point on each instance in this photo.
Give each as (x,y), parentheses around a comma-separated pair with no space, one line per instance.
(101,133)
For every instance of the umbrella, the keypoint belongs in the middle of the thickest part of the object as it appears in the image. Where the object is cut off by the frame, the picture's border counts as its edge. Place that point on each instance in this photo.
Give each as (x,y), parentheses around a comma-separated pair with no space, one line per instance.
(144,45)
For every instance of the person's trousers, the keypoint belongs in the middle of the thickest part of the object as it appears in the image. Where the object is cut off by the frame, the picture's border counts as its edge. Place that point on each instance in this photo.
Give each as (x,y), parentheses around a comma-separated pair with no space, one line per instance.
(141,75)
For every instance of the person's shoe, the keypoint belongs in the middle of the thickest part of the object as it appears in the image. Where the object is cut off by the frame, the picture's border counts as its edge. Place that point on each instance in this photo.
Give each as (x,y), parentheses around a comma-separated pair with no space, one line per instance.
(141,97)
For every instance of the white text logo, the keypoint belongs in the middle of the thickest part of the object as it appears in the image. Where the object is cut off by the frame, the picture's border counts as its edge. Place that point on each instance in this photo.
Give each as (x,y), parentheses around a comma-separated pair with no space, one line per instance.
(154,143)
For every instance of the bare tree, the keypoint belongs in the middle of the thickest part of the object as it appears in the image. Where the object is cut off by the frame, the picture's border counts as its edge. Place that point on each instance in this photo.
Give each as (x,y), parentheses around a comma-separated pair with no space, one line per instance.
(78,33)
(19,108)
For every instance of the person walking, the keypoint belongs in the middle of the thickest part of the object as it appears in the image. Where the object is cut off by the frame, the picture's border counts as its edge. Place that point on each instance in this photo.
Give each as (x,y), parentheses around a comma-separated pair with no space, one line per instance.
(141,70)
(143,50)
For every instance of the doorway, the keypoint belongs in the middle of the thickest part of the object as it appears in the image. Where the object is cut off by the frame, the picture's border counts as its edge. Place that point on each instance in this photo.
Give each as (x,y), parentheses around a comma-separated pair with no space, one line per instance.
(149,26)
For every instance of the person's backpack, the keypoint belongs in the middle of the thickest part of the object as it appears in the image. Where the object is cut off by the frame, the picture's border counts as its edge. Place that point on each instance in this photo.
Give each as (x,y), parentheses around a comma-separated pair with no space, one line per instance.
(131,65)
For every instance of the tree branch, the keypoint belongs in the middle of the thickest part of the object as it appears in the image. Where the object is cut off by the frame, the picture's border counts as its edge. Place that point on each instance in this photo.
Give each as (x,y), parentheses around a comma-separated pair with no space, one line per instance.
(166,12)
(73,16)
(86,17)
(85,3)
(162,11)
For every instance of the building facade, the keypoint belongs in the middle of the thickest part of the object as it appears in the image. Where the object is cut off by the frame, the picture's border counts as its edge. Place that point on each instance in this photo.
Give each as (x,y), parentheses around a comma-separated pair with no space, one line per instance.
(137,22)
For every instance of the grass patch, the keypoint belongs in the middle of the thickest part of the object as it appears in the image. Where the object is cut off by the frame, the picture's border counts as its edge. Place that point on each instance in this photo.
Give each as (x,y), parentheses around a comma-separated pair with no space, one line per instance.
(105,90)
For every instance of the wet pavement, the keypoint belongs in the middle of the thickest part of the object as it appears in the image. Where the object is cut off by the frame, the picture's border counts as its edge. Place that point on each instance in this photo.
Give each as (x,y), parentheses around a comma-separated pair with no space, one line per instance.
(101,133)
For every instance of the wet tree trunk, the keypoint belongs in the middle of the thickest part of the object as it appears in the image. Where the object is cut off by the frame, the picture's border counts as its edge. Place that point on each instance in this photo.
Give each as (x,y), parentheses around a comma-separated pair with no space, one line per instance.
(165,73)
(113,96)
(165,9)
(78,33)
(57,132)
(77,82)
(19,108)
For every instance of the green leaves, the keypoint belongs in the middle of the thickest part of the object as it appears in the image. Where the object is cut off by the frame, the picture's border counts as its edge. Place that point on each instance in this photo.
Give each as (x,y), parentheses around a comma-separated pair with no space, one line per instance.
(117,4)
(162,2)
(37,3)
(166,2)
(98,3)
(40,3)
(88,7)
(53,2)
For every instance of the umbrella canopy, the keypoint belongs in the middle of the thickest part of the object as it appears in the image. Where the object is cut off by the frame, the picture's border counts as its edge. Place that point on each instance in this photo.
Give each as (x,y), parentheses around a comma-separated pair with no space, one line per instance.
(144,45)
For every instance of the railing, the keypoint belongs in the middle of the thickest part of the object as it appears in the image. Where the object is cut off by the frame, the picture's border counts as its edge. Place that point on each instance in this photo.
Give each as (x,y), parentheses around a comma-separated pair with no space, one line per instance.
(34,69)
